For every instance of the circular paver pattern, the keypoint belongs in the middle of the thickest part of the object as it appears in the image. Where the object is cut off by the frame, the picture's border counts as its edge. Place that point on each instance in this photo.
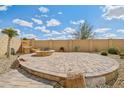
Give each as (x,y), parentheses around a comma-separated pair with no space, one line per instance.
(61,63)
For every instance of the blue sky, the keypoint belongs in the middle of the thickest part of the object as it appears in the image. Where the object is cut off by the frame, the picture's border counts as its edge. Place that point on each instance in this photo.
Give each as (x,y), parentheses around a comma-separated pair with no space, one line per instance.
(58,22)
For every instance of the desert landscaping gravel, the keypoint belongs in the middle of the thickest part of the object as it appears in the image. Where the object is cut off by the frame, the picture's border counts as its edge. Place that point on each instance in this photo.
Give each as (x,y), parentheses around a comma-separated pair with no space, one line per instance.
(6,63)
(120,81)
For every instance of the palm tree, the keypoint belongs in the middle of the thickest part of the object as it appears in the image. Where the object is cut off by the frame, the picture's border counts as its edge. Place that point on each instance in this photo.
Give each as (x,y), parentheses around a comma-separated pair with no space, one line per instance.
(85,31)
(10,32)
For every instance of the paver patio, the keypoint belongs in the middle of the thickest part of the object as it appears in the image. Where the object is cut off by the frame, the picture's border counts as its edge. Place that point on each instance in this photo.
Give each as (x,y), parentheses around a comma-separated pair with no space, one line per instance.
(21,79)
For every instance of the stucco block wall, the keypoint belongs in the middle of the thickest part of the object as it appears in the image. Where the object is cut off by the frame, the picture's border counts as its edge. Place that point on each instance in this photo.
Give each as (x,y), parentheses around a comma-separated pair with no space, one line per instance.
(57,44)
(98,45)
(119,43)
(41,44)
(84,45)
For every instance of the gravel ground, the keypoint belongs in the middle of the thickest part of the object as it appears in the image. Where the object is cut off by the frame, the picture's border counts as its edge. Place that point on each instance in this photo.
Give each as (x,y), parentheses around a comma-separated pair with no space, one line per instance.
(6,63)
(120,81)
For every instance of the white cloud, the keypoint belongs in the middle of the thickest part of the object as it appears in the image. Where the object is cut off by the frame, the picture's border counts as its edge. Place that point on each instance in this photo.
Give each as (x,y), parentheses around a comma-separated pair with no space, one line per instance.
(42,29)
(44,15)
(77,22)
(60,13)
(43,9)
(53,22)
(102,30)
(69,30)
(39,16)
(18,31)
(0,31)
(4,7)
(23,23)
(56,33)
(48,35)
(120,30)
(29,36)
(52,33)
(109,35)
(113,12)
(62,37)
(40,22)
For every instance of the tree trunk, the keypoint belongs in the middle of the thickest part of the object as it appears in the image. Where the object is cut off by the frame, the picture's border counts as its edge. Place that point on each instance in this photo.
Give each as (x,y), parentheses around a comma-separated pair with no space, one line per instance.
(8,48)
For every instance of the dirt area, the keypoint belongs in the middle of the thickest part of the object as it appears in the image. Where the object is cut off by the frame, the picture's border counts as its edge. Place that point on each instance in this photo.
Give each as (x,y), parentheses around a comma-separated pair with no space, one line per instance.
(6,63)
(120,81)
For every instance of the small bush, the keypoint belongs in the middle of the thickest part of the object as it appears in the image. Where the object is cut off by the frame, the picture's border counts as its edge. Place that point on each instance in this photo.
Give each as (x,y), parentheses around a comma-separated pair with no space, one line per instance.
(96,50)
(104,53)
(121,55)
(25,38)
(113,51)
(77,48)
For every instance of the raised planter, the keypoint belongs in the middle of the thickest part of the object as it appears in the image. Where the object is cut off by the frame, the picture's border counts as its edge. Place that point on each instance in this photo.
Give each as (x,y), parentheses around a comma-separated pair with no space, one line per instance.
(44,53)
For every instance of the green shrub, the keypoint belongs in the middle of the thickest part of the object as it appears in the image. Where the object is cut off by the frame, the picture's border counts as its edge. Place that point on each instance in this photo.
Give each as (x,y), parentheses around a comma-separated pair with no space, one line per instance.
(96,50)
(121,55)
(77,48)
(113,51)
(25,38)
(104,53)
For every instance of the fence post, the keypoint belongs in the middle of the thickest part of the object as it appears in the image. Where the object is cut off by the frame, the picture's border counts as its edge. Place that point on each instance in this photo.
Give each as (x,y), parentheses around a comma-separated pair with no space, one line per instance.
(91,45)
(70,45)
(109,43)
(50,44)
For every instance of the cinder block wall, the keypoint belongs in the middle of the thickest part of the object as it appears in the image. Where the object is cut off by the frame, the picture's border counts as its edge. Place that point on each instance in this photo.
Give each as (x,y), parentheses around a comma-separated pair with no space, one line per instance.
(89,45)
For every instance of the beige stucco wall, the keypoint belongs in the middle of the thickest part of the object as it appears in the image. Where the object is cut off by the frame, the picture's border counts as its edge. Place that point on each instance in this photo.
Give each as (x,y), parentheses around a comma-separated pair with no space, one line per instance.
(119,43)
(84,45)
(15,43)
(100,44)
(57,45)
(41,44)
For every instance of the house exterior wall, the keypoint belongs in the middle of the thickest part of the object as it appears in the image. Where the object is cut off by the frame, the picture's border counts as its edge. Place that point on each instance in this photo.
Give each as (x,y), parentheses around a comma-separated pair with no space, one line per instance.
(15,43)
